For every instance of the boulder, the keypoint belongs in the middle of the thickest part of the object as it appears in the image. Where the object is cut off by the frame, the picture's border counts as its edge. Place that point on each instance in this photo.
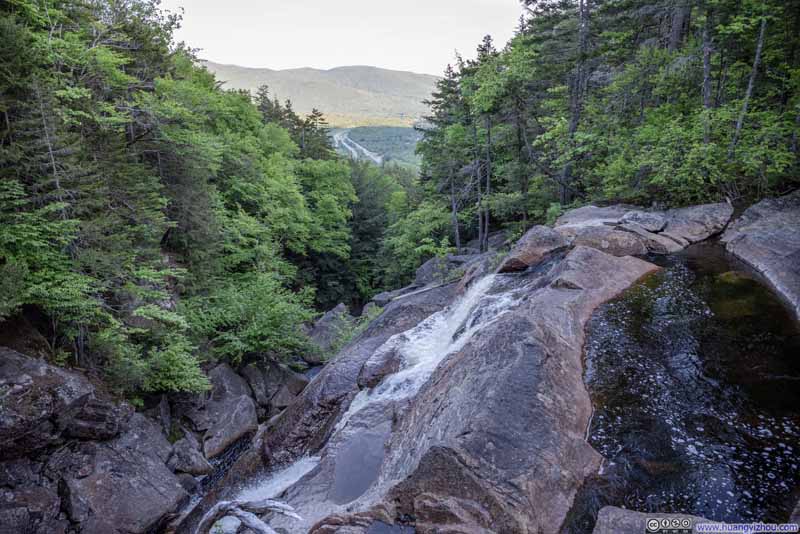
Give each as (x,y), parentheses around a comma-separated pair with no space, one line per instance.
(236,418)
(123,480)
(571,222)
(655,243)
(696,223)
(226,384)
(263,380)
(228,414)
(611,241)
(612,520)
(328,330)
(187,458)
(34,396)
(30,509)
(767,237)
(435,270)
(651,221)
(144,436)
(275,385)
(537,244)
(93,419)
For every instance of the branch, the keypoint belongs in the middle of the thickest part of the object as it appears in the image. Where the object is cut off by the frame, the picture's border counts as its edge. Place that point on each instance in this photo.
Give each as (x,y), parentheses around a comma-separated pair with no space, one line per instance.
(247,512)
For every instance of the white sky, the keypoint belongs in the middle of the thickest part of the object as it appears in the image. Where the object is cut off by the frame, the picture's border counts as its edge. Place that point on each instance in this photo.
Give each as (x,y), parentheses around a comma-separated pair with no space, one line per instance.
(415,35)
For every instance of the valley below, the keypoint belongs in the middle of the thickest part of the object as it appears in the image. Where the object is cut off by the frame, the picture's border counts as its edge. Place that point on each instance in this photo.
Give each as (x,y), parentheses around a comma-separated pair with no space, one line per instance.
(378,144)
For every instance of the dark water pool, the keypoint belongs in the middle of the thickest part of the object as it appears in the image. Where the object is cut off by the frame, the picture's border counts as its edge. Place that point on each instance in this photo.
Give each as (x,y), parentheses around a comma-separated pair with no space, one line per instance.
(695,379)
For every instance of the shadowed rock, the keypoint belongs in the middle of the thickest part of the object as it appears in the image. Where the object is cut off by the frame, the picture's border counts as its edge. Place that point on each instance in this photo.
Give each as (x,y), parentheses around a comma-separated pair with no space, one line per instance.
(228,414)
(767,237)
(35,395)
(328,330)
(123,480)
(697,223)
(187,458)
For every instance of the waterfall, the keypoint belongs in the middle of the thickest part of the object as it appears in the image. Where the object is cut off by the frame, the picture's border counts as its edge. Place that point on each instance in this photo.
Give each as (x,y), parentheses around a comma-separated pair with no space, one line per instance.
(421,350)
(425,346)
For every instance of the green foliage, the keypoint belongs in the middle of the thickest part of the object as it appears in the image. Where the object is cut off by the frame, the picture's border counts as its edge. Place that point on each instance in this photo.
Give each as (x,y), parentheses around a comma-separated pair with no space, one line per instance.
(249,316)
(349,331)
(417,236)
(152,217)
(615,113)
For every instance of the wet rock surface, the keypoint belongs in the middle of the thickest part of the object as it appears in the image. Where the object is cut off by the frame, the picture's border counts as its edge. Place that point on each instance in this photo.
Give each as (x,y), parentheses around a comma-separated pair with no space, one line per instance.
(472,417)
(767,237)
(456,455)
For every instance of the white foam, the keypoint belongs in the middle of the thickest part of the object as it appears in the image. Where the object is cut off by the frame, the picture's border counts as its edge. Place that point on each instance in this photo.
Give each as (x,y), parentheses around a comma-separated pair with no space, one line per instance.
(276,483)
(425,346)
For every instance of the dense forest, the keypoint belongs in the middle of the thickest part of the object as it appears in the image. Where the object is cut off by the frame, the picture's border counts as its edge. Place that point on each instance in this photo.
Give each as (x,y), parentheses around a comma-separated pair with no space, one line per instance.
(153,220)
(666,101)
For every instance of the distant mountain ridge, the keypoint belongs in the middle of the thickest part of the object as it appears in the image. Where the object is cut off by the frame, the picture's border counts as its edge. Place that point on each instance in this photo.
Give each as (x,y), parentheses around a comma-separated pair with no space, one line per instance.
(348,96)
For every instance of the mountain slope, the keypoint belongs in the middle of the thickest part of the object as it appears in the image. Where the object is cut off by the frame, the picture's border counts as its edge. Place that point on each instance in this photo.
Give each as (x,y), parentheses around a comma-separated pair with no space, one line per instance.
(349,96)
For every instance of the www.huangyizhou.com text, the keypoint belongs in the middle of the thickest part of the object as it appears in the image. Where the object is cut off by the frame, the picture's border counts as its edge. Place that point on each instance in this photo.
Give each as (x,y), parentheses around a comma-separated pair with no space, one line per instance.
(745,528)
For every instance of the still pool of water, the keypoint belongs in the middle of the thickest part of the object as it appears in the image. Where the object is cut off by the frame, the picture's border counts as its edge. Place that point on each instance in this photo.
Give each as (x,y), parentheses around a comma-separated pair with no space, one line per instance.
(694,375)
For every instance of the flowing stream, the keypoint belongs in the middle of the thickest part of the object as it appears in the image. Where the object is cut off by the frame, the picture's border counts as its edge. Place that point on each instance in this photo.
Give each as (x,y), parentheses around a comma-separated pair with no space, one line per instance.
(695,379)
(356,447)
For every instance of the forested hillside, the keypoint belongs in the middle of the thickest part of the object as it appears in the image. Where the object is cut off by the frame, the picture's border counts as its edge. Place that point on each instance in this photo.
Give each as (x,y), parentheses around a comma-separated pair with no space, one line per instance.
(350,96)
(152,220)
(627,100)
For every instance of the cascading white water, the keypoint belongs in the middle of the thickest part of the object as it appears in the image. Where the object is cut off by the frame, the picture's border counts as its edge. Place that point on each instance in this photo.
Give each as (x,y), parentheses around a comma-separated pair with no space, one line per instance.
(279,481)
(425,346)
(421,349)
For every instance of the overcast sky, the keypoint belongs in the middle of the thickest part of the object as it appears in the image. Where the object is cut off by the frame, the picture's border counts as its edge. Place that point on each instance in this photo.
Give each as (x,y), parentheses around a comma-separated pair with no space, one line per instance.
(415,35)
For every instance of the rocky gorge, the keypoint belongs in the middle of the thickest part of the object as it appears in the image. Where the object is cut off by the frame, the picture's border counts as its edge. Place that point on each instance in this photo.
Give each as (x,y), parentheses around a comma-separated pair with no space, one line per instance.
(462,407)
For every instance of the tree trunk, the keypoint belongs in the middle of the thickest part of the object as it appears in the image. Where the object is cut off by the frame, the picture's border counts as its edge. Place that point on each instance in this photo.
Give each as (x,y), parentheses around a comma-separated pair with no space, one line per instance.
(488,189)
(247,513)
(576,98)
(454,208)
(708,50)
(750,85)
(478,179)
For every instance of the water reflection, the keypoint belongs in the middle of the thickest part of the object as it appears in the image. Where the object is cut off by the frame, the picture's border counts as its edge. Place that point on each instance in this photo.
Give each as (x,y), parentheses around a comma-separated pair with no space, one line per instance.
(695,379)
